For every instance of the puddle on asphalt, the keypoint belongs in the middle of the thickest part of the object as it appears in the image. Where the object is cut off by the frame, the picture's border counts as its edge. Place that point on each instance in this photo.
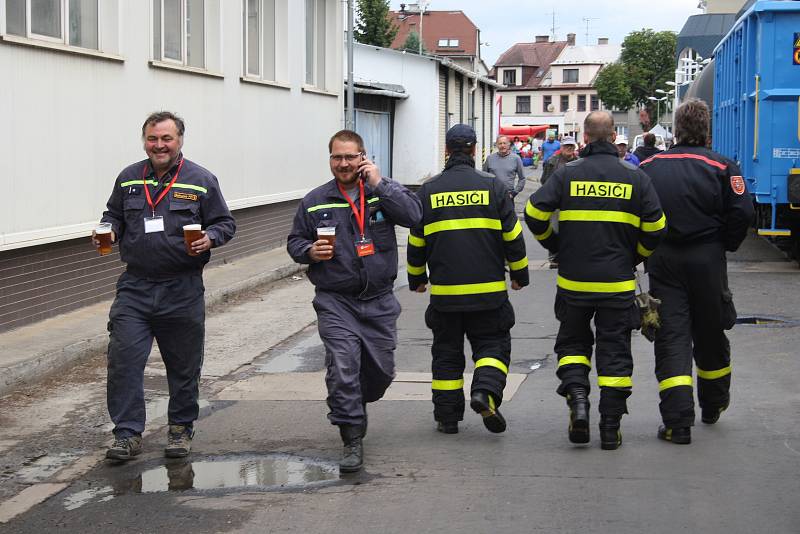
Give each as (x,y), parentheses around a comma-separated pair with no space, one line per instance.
(292,360)
(41,468)
(266,473)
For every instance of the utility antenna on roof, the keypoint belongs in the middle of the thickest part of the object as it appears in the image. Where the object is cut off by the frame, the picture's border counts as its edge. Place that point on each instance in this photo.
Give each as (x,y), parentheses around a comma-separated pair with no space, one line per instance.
(553,27)
(587,20)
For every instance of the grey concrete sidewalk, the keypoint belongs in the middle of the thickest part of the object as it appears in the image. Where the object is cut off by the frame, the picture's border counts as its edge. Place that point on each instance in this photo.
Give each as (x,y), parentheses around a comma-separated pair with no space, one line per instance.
(47,347)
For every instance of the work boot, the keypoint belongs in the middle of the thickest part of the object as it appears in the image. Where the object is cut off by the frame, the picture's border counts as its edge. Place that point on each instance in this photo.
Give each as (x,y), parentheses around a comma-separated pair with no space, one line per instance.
(353,452)
(553,258)
(450,427)
(679,436)
(483,403)
(179,441)
(124,449)
(578,402)
(610,435)
(710,415)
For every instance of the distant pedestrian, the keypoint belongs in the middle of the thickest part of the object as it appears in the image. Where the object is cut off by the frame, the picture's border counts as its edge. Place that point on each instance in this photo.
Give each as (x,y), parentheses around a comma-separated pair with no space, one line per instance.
(468,234)
(160,294)
(610,219)
(506,166)
(648,148)
(567,153)
(550,147)
(708,213)
(622,150)
(353,271)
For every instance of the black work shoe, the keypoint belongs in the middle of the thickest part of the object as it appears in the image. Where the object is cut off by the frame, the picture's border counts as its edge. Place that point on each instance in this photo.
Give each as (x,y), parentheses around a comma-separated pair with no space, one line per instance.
(610,435)
(179,441)
(679,436)
(353,451)
(710,415)
(124,449)
(578,403)
(483,403)
(447,428)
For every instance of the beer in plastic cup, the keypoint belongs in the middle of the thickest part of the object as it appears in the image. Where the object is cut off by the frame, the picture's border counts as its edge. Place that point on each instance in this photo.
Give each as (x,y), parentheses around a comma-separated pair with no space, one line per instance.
(328,234)
(191,233)
(102,233)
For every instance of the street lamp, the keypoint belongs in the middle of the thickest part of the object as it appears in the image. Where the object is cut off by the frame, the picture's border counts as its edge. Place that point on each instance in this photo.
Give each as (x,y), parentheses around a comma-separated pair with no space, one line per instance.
(658,105)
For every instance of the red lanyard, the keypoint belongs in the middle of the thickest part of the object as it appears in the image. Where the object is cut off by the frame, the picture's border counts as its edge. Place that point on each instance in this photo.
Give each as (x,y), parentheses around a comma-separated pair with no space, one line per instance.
(164,192)
(359,216)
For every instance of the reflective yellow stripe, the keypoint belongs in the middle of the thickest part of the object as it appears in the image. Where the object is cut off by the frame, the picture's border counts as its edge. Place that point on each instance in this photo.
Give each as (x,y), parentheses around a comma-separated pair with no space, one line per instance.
(492,362)
(447,385)
(712,375)
(643,251)
(469,289)
(415,270)
(517,265)
(137,182)
(596,287)
(190,186)
(545,235)
(614,381)
(674,382)
(512,235)
(569,360)
(535,213)
(338,205)
(463,224)
(599,216)
(415,241)
(654,226)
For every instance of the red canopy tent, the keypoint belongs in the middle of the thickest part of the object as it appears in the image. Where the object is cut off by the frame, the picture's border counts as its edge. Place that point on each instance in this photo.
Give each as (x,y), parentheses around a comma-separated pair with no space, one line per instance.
(522,132)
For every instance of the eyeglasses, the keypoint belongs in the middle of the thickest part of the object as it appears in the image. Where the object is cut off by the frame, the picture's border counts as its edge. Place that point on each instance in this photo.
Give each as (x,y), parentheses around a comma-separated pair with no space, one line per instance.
(350,158)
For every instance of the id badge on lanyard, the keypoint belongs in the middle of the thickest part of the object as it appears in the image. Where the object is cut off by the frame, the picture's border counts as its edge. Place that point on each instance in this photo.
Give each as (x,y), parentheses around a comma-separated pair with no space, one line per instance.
(156,222)
(364,246)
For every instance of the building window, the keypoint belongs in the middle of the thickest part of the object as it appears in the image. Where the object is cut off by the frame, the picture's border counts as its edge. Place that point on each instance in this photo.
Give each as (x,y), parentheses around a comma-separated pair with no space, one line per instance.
(547,104)
(570,75)
(179,32)
(261,38)
(523,104)
(448,43)
(564,103)
(595,103)
(581,102)
(70,22)
(510,77)
(316,35)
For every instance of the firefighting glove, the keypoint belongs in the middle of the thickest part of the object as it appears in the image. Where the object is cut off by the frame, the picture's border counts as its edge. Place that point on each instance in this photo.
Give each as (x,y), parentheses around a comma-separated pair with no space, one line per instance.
(648,313)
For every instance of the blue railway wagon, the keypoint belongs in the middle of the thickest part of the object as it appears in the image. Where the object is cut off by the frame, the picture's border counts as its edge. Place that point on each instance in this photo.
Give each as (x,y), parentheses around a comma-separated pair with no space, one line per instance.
(757,111)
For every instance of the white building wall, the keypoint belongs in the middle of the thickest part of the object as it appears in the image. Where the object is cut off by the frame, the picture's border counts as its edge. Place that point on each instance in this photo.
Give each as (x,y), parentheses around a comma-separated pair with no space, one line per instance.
(71,122)
(416,148)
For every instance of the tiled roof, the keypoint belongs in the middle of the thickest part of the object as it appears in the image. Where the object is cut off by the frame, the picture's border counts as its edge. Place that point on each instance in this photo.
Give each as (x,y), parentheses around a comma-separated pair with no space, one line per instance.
(438,25)
(535,58)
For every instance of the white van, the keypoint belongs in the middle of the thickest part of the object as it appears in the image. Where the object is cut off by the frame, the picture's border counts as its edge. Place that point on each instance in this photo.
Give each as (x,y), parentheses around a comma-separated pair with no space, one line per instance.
(639,141)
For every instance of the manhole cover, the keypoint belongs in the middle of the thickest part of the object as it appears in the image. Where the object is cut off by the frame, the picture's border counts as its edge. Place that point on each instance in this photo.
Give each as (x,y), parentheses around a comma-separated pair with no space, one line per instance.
(767,321)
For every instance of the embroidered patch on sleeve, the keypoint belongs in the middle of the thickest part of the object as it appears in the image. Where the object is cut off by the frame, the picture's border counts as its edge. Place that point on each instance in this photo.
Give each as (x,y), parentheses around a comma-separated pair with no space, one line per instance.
(737,184)
(184,196)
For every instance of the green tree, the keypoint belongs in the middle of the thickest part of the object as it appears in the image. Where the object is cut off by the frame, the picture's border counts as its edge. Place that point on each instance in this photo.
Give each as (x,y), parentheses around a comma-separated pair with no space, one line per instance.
(412,44)
(646,62)
(375,26)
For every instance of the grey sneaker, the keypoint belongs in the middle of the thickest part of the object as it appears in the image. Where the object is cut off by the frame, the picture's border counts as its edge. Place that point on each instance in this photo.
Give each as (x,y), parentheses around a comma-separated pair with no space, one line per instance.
(179,441)
(124,448)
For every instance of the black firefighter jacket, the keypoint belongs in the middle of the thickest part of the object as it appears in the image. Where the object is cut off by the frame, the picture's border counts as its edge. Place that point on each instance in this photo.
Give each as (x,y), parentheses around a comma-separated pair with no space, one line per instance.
(468,233)
(610,220)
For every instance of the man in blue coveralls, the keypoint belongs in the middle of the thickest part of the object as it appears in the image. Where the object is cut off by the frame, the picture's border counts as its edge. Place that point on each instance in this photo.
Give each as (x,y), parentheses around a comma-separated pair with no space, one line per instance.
(160,294)
(355,303)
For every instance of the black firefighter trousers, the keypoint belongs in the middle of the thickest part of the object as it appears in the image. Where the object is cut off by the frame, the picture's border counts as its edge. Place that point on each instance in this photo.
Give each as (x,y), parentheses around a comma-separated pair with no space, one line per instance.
(613,351)
(489,334)
(696,309)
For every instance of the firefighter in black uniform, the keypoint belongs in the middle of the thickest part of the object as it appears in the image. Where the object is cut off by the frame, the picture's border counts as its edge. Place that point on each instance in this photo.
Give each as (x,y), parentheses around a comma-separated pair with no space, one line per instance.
(610,220)
(708,212)
(469,231)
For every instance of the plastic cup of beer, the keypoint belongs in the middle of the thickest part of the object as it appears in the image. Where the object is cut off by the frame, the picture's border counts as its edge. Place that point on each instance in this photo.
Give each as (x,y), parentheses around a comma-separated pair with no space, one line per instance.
(328,234)
(191,233)
(102,233)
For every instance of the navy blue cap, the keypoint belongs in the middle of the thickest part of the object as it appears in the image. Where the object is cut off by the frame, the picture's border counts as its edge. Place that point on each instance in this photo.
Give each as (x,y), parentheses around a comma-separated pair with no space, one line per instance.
(460,136)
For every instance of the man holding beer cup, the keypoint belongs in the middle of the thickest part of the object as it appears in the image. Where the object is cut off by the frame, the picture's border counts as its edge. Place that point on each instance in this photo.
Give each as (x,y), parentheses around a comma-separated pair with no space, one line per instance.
(354,277)
(166,213)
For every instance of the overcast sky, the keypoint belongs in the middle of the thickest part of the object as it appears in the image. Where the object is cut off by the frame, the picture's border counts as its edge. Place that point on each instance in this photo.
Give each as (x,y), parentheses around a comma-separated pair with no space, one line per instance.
(507,22)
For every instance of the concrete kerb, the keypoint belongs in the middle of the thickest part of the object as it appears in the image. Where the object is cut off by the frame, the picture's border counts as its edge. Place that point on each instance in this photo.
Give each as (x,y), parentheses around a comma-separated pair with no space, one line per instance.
(45,364)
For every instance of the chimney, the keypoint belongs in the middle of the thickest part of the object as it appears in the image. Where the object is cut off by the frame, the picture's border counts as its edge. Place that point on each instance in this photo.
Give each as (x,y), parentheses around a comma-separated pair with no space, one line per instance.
(602,40)
(542,38)
(570,39)
(402,8)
